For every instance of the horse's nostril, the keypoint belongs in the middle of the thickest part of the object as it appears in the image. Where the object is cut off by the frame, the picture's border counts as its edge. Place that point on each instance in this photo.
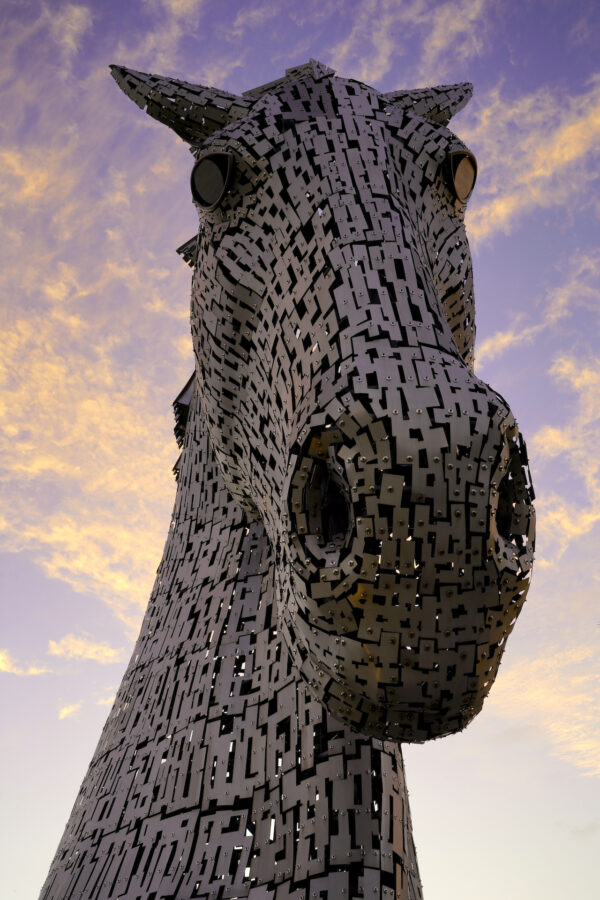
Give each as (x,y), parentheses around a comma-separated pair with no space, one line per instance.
(506,499)
(327,505)
(334,513)
(515,517)
(319,502)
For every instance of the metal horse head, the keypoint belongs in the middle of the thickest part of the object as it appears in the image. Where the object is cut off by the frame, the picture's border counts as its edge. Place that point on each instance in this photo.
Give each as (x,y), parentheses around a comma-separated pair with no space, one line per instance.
(333,327)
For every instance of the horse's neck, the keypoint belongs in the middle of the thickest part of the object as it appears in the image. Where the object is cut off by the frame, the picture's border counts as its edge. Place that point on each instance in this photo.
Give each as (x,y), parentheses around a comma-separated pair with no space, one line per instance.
(220,769)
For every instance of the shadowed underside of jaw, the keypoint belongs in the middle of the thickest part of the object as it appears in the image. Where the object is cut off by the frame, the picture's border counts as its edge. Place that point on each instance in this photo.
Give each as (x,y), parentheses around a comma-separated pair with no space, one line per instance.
(409,551)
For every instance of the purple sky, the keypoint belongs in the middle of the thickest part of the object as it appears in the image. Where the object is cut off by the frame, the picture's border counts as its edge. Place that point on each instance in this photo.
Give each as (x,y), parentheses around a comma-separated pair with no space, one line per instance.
(94,199)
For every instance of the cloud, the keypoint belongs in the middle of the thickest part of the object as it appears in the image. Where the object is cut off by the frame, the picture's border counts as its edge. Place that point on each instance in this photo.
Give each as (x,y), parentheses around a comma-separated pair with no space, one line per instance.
(7,664)
(88,368)
(106,701)
(253,17)
(217,72)
(560,693)
(584,31)
(159,49)
(561,519)
(33,176)
(74,647)
(87,452)
(368,47)
(456,32)
(54,29)
(535,151)
(381,29)
(580,288)
(184,10)
(67,26)
(566,450)
(66,712)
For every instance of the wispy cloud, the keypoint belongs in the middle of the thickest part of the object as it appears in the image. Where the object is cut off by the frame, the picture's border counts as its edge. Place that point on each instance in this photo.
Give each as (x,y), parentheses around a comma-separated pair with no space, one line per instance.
(585,30)
(537,150)
(76,647)
(566,449)
(159,48)
(561,519)
(85,431)
(68,711)
(580,288)
(382,30)
(456,32)
(106,701)
(58,32)
(186,10)
(99,443)
(253,16)
(67,25)
(8,665)
(31,177)
(560,693)
(367,49)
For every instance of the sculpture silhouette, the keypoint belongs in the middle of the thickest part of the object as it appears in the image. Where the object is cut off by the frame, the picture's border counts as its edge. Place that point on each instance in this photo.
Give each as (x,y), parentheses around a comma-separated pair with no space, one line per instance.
(352,535)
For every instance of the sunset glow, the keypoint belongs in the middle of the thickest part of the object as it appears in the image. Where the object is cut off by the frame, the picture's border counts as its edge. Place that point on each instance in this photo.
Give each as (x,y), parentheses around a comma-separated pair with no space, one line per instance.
(94,199)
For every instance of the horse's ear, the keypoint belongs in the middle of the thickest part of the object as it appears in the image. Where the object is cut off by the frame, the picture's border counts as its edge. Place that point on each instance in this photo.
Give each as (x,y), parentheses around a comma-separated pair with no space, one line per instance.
(438,104)
(191,110)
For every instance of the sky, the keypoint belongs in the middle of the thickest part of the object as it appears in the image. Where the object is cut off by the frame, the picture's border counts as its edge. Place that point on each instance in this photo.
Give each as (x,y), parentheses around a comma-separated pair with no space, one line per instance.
(94,199)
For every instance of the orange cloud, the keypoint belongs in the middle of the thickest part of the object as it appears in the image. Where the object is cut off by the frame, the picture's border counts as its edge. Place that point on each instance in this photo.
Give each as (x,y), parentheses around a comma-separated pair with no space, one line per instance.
(67,712)
(560,693)
(106,701)
(535,151)
(561,520)
(74,647)
(89,365)
(7,664)
(580,288)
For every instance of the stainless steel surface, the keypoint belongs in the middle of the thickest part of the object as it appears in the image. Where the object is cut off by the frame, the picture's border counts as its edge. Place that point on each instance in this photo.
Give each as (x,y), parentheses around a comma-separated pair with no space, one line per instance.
(353,529)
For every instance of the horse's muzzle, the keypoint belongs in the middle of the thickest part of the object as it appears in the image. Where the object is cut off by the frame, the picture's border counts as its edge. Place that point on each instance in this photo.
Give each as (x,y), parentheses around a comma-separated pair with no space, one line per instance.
(408,559)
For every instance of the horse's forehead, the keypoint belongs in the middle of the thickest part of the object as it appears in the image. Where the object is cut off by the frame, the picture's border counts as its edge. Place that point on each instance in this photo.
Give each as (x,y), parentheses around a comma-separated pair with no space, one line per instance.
(337,106)
(332,98)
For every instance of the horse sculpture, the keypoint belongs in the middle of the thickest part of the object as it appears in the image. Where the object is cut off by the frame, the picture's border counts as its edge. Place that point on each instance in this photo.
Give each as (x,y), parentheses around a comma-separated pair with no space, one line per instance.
(353,529)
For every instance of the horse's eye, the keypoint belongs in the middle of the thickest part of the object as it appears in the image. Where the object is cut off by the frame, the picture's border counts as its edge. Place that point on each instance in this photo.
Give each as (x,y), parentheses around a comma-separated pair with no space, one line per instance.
(210,179)
(461,173)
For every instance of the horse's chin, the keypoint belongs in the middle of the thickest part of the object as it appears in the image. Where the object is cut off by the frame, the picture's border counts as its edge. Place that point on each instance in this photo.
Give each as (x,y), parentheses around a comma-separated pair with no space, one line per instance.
(390,663)
(363,684)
